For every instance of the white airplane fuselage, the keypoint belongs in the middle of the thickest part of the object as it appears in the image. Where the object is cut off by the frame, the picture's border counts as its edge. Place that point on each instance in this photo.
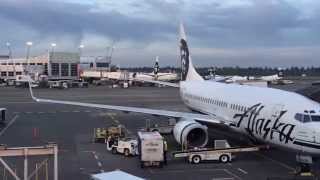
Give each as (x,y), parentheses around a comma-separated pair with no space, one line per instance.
(265,114)
(271,78)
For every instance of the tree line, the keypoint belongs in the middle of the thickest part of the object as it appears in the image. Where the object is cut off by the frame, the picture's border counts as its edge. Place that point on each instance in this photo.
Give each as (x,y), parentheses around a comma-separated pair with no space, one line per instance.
(241,71)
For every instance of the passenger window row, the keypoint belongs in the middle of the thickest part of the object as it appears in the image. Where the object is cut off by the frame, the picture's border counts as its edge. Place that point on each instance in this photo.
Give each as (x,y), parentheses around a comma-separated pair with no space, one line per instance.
(220,103)
(238,107)
(207,100)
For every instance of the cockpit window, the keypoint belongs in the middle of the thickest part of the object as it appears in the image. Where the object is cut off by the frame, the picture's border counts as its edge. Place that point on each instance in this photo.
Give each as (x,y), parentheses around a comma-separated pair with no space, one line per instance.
(307,118)
(299,117)
(315,118)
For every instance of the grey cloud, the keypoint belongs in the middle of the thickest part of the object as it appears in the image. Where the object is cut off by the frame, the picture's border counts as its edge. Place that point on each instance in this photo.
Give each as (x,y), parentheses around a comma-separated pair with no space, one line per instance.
(52,18)
(264,23)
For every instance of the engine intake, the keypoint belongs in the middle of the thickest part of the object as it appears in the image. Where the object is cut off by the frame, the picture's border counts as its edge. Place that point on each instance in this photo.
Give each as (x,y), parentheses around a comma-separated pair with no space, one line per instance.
(191,132)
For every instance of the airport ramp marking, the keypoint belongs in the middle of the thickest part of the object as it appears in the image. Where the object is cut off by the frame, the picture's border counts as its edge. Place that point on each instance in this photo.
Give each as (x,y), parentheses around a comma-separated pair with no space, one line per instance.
(275,161)
(9,124)
(227,173)
(232,174)
(243,171)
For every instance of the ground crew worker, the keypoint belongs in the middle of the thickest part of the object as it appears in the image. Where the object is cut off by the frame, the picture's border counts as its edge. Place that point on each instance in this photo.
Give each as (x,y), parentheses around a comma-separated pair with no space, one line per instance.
(165,149)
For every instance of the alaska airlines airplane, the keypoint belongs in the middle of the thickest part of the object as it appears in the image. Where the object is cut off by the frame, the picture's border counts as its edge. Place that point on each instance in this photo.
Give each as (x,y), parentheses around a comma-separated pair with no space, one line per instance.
(156,75)
(275,77)
(273,116)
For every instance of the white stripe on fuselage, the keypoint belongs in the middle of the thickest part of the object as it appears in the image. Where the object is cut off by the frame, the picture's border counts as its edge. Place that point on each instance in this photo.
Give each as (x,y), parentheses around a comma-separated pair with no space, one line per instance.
(264,113)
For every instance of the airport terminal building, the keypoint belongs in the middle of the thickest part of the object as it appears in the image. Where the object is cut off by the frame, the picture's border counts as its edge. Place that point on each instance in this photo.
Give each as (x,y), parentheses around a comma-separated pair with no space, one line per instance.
(56,65)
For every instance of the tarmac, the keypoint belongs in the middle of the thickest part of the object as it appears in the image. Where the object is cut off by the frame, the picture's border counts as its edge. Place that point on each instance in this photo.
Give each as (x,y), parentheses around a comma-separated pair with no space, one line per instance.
(32,124)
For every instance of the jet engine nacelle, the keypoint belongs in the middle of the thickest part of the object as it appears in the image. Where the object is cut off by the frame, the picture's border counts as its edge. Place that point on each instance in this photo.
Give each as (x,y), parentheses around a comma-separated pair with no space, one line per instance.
(191,132)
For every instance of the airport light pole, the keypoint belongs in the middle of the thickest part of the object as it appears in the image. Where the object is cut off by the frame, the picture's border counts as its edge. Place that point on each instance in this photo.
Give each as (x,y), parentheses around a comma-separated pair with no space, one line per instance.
(53,45)
(80,49)
(8,44)
(28,44)
(9,49)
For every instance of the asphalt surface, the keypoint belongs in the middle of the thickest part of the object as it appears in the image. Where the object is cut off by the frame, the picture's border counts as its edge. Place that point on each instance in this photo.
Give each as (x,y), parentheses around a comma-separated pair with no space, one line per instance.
(33,124)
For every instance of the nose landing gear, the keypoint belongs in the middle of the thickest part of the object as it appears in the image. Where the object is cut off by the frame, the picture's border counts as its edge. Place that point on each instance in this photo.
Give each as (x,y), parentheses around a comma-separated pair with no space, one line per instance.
(304,165)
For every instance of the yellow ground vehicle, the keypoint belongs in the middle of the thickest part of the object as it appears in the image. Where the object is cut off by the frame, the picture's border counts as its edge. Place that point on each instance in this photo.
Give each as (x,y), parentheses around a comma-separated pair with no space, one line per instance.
(101,135)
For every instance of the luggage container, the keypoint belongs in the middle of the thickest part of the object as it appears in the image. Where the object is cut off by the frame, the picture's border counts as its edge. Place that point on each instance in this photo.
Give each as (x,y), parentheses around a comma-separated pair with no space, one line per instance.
(151,149)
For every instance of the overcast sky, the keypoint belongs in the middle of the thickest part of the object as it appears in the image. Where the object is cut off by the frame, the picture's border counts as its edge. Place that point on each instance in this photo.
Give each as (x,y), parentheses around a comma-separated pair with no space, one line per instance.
(277,33)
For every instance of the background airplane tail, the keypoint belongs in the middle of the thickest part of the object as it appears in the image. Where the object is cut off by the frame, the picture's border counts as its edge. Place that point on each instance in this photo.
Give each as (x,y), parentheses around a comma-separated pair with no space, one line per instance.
(188,71)
(156,67)
(280,73)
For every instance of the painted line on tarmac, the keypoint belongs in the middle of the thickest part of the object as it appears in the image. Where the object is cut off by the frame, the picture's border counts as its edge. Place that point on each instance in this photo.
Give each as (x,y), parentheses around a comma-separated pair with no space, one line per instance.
(183,170)
(222,178)
(88,151)
(9,124)
(277,162)
(96,157)
(20,102)
(232,174)
(98,161)
(243,171)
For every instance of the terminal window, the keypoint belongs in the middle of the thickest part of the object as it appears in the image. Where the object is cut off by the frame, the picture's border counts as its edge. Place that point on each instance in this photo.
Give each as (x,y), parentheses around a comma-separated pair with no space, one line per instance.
(18,73)
(102,64)
(74,69)
(46,69)
(3,73)
(64,69)
(11,73)
(55,69)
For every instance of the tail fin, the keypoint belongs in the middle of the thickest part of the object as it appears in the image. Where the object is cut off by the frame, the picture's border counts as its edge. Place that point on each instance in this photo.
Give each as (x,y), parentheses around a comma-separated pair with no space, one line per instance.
(156,67)
(280,73)
(188,72)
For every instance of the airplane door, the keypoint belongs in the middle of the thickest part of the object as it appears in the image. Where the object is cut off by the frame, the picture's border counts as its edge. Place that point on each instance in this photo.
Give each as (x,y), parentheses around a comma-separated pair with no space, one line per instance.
(316,137)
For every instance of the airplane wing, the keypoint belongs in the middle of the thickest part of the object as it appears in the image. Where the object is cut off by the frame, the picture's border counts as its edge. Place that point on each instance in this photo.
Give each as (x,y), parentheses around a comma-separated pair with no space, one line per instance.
(173,114)
(157,82)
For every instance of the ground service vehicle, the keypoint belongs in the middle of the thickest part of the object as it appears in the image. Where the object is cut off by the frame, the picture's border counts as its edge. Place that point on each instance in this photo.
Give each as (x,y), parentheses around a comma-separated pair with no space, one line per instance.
(222,152)
(127,146)
(101,135)
(151,149)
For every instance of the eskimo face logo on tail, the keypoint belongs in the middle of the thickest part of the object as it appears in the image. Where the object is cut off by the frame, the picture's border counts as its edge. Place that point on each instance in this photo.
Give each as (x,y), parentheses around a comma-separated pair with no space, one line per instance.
(184,53)
(156,68)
